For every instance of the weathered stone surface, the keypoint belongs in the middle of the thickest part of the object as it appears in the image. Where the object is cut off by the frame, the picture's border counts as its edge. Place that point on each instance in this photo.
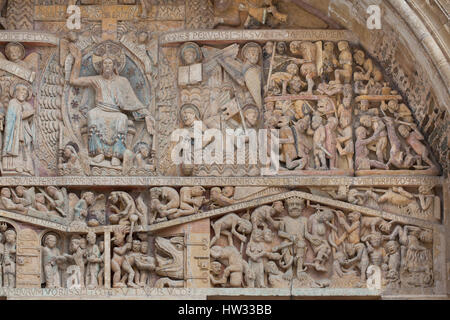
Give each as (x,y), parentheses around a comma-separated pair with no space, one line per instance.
(119,172)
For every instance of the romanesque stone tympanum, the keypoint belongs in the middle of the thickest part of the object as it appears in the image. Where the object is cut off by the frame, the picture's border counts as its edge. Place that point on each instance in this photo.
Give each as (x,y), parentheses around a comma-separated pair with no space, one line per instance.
(207,145)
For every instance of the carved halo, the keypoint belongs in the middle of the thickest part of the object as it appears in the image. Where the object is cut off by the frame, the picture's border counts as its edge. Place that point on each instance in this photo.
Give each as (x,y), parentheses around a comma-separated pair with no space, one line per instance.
(191,45)
(12,89)
(189,106)
(109,50)
(249,45)
(16,44)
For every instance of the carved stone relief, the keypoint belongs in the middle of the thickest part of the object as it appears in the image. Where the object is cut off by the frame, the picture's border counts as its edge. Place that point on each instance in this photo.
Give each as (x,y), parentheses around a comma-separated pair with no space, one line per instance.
(91,122)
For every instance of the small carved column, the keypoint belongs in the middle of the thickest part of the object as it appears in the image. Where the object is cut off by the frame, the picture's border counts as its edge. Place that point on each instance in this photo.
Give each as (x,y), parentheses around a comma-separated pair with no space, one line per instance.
(107,258)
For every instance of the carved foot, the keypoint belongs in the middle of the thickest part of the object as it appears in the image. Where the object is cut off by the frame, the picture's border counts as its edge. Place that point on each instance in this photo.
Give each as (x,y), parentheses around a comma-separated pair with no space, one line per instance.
(115,162)
(98,158)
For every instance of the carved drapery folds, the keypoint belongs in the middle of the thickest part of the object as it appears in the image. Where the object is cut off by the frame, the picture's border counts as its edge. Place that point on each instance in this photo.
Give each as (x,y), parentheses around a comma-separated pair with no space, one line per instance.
(302,164)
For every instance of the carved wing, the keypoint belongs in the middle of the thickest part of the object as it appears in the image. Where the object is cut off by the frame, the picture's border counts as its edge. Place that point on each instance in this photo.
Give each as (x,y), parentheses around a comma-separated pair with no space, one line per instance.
(49,114)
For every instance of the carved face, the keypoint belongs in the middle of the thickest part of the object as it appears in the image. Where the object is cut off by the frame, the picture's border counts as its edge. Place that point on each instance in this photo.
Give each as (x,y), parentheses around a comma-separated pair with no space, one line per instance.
(91,237)
(142,37)
(268,235)
(391,247)
(251,115)
(89,197)
(21,93)
(67,152)
(136,247)
(244,226)
(281,48)
(188,117)
(143,149)
(50,241)
(359,57)
(10,236)
(40,198)
(83,243)
(74,244)
(292,69)
(252,55)
(14,52)
(144,247)
(197,191)
(216,252)
(108,66)
(20,191)
(361,133)
(189,56)
(6,193)
(228,192)
(295,208)
(216,267)
(393,106)
(278,206)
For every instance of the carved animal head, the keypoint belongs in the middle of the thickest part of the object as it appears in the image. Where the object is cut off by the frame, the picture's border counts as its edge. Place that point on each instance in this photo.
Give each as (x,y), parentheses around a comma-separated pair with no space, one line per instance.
(169,257)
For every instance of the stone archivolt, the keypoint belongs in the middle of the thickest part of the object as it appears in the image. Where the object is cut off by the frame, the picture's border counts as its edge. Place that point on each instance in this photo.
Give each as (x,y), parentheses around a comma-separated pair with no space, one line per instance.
(91,199)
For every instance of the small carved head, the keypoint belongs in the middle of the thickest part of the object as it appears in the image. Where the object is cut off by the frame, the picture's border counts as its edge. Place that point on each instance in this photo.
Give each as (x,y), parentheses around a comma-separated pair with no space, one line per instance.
(50,241)
(6,193)
(403,130)
(292,69)
(189,114)
(88,197)
(354,216)
(228,192)
(91,238)
(244,226)
(216,268)
(251,114)
(190,53)
(392,247)
(361,133)
(21,92)
(15,51)
(295,206)
(143,149)
(343,45)
(136,246)
(359,57)
(10,236)
(155,193)
(251,52)
(144,247)
(281,48)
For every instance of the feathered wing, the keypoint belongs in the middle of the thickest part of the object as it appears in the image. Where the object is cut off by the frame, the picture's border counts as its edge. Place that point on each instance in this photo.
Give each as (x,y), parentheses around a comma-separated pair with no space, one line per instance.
(49,113)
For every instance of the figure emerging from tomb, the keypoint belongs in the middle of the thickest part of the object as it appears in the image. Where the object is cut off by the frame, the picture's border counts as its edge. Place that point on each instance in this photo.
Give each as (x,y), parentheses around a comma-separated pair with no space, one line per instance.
(107,123)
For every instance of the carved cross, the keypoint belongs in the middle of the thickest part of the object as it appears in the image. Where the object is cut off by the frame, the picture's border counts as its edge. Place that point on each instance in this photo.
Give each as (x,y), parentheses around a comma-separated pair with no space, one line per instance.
(109,13)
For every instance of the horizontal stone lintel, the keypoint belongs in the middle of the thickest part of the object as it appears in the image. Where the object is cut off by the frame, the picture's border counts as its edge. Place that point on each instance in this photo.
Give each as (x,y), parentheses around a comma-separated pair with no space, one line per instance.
(232,36)
(181,293)
(287,181)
